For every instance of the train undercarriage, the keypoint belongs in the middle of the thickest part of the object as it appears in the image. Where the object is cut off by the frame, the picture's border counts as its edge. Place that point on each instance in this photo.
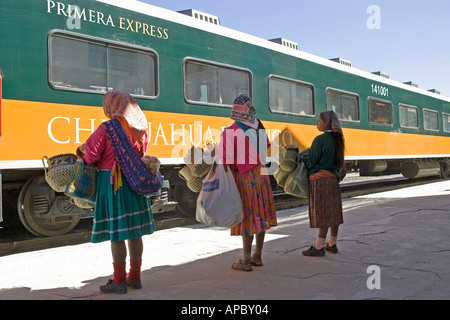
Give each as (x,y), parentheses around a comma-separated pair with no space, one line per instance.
(27,199)
(409,168)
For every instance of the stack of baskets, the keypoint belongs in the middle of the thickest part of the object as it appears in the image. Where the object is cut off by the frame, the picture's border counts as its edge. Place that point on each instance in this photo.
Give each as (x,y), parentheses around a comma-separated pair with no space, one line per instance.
(288,163)
(197,168)
(287,175)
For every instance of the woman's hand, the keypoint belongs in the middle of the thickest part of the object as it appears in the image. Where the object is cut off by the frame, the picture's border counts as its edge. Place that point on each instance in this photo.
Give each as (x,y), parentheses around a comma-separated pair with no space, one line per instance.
(80,151)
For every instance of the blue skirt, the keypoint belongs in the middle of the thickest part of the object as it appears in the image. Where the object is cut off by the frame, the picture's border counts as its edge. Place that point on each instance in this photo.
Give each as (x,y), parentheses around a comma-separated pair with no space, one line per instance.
(121,216)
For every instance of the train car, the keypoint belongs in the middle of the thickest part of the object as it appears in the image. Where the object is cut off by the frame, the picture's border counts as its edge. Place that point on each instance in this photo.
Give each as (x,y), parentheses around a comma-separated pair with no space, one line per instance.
(58,58)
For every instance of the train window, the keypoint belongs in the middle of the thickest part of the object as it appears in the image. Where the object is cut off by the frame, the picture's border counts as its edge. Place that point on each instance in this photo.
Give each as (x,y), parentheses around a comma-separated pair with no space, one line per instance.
(409,116)
(132,72)
(446,119)
(95,65)
(345,104)
(217,84)
(291,97)
(380,111)
(431,120)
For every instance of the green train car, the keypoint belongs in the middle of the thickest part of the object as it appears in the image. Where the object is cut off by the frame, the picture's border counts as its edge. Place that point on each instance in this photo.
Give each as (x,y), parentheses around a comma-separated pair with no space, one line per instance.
(58,58)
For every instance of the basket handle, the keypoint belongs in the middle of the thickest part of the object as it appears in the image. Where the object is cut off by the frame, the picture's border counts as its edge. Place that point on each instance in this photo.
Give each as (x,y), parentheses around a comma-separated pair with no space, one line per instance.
(43,163)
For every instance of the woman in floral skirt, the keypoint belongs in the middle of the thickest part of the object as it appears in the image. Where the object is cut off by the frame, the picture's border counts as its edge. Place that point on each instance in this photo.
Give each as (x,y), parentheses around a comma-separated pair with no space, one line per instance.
(243,147)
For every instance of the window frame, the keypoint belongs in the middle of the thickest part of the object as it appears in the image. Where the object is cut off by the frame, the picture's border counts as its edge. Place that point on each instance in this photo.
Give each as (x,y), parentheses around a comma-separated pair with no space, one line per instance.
(346,93)
(380,123)
(430,111)
(404,105)
(219,65)
(443,125)
(107,44)
(294,81)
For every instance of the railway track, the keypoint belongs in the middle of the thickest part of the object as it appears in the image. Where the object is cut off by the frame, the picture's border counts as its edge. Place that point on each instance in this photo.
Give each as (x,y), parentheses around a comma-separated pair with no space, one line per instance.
(19,240)
(357,186)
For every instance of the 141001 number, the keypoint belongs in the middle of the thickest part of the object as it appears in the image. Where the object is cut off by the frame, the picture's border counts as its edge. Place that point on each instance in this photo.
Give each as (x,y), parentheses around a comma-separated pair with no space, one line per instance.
(380,90)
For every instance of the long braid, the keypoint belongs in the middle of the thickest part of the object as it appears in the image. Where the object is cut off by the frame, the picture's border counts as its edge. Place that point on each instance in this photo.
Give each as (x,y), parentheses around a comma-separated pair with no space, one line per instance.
(339,146)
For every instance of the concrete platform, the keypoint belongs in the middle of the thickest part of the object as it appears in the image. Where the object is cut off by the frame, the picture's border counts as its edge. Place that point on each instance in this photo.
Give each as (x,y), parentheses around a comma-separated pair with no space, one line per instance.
(404,234)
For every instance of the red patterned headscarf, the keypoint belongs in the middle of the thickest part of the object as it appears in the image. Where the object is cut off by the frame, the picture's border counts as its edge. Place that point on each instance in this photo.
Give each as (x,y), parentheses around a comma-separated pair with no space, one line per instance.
(118,104)
(243,111)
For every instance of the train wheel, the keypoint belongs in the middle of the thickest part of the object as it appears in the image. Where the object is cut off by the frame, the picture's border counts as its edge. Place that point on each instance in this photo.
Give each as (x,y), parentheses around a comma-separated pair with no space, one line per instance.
(35,200)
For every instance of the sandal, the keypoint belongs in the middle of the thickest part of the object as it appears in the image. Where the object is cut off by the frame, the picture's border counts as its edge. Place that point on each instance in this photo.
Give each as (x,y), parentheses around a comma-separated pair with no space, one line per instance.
(242,265)
(256,260)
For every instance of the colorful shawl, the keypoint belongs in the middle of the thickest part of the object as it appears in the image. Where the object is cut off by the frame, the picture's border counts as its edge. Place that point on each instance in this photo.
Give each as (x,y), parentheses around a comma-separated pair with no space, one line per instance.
(138,176)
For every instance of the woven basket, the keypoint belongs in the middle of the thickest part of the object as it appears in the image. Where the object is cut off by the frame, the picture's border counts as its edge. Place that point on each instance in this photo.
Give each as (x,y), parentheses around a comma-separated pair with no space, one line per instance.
(83,204)
(201,170)
(290,153)
(195,184)
(194,154)
(281,176)
(185,173)
(292,147)
(59,170)
(288,158)
(288,164)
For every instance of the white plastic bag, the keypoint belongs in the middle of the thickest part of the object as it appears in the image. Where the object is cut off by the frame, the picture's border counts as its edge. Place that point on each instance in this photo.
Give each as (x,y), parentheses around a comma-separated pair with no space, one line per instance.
(219,202)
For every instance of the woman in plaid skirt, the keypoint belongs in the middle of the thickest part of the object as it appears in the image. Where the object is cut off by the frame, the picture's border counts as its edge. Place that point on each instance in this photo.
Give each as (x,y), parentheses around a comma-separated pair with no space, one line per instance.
(324,161)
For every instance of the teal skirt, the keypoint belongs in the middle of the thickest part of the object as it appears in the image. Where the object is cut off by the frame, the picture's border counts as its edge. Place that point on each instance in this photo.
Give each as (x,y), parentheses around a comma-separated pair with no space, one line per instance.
(121,216)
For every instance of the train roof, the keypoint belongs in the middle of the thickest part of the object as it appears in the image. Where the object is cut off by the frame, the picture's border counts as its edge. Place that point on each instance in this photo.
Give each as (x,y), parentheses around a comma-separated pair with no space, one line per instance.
(176,17)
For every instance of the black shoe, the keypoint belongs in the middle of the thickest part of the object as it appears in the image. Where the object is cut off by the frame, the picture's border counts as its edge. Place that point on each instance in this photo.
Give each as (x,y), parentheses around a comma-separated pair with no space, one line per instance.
(313,252)
(112,287)
(135,283)
(332,249)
